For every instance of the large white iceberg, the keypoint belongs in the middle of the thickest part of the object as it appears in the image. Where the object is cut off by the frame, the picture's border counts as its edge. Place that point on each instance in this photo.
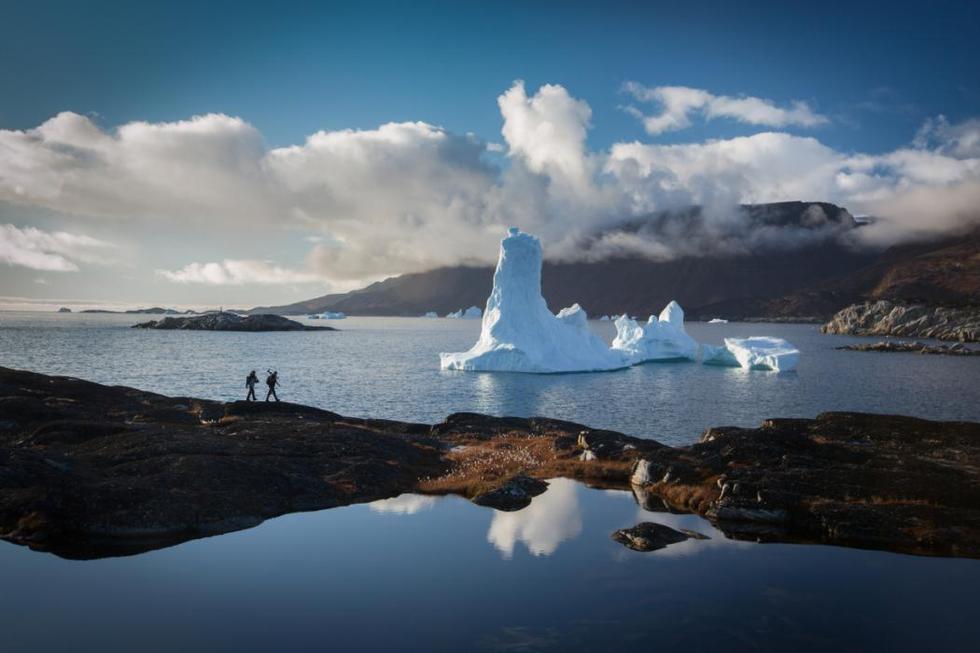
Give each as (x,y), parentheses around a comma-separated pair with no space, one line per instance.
(520,334)
(660,339)
(758,353)
(471,313)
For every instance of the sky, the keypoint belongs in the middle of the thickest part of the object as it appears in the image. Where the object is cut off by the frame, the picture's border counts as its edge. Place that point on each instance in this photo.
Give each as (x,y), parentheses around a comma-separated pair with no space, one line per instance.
(252,153)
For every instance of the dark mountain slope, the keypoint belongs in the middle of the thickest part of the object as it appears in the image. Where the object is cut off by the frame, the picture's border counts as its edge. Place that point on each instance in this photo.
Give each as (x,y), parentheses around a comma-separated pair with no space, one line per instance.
(810,281)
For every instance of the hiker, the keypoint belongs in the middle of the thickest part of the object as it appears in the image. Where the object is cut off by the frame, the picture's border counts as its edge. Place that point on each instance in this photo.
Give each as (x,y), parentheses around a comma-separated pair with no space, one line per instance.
(250,382)
(272,381)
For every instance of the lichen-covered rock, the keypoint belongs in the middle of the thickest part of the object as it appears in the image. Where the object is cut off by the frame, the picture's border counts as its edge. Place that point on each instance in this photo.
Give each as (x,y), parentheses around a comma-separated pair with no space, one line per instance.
(513,495)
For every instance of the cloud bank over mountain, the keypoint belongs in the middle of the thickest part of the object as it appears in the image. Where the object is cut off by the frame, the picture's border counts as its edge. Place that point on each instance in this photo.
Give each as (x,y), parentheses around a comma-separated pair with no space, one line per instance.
(411,196)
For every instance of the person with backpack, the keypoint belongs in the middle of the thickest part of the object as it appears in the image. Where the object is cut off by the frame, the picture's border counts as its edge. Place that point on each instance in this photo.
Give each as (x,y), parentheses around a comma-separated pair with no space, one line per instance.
(272,381)
(250,382)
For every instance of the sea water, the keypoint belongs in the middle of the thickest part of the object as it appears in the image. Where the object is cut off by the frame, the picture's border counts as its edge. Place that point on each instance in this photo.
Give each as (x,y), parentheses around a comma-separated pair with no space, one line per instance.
(441,574)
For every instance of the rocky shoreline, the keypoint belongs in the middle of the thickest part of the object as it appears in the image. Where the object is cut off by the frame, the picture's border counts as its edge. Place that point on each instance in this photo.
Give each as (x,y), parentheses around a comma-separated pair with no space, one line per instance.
(885,318)
(958,349)
(88,470)
(224,321)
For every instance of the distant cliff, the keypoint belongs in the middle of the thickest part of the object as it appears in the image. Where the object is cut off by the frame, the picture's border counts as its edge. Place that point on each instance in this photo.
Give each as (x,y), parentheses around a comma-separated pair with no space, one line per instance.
(813,281)
(884,318)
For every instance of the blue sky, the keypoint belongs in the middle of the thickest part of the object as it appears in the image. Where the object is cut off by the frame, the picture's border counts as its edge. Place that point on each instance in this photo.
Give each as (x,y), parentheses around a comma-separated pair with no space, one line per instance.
(244,153)
(294,68)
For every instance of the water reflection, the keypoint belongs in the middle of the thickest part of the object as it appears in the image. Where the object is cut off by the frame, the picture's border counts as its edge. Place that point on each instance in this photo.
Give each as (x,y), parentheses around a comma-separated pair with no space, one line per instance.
(552,518)
(404,504)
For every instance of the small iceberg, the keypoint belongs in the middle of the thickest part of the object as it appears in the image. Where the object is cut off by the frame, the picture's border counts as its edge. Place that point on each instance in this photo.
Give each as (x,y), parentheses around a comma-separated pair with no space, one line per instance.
(431,314)
(717,320)
(758,353)
(329,315)
(660,339)
(520,334)
(471,313)
(604,318)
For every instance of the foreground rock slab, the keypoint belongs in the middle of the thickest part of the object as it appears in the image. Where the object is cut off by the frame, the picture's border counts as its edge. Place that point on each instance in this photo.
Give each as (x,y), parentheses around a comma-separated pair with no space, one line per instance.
(230,322)
(885,318)
(88,470)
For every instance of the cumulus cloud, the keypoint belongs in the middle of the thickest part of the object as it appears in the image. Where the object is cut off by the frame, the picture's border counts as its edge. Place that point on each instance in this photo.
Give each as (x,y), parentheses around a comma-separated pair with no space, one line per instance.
(56,251)
(677,103)
(961,140)
(230,272)
(412,196)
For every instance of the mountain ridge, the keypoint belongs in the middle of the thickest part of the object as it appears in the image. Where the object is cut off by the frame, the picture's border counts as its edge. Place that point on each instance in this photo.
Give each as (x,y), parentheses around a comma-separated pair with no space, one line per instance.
(812,281)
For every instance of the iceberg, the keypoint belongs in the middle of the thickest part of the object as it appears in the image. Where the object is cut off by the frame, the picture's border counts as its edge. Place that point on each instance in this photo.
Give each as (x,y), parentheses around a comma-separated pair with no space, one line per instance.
(662,338)
(472,313)
(717,320)
(604,318)
(431,314)
(757,353)
(520,334)
(332,315)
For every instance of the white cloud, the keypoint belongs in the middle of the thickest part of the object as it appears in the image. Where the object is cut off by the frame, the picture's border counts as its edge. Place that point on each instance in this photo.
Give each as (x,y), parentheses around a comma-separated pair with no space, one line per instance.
(961,140)
(679,102)
(412,196)
(230,272)
(56,251)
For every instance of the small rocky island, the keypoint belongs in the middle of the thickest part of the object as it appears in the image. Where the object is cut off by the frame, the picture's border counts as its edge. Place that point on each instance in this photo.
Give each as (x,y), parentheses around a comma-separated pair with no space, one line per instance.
(88,470)
(225,321)
(885,318)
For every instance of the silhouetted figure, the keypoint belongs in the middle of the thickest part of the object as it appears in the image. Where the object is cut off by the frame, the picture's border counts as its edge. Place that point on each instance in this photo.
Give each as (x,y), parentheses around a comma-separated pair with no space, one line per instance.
(250,382)
(272,381)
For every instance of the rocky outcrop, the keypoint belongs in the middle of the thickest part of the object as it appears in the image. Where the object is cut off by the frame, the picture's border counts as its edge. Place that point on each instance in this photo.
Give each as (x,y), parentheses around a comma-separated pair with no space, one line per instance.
(873,481)
(958,349)
(513,495)
(88,470)
(230,322)
(651,536)
(885,318)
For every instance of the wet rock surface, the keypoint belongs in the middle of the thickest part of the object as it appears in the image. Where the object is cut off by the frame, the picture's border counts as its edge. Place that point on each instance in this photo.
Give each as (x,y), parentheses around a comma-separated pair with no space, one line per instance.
(88,470)
(230,322)
(885,318)
(874,481)
(513,495)
(651,536)
(958,349)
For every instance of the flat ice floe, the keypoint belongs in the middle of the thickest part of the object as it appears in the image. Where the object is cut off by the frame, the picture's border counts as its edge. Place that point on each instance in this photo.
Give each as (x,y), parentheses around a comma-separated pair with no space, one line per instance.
(520,334)
(757,353)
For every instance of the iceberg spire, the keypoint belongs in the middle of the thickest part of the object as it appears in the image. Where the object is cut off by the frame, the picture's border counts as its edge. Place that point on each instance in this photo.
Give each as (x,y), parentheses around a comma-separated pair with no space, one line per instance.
(519,333)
